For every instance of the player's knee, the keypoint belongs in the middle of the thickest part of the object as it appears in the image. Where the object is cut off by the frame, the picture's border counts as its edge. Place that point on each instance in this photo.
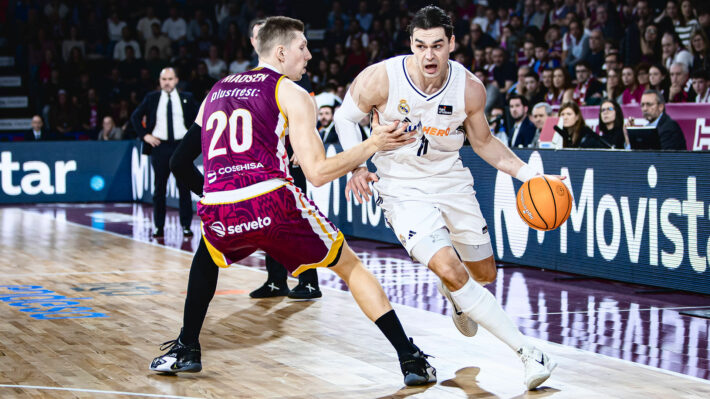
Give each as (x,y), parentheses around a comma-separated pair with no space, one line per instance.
(452,274)
(483,272)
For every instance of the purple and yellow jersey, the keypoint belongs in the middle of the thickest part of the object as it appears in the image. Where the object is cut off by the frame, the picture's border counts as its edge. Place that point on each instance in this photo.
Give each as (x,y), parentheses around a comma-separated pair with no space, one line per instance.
(243,131)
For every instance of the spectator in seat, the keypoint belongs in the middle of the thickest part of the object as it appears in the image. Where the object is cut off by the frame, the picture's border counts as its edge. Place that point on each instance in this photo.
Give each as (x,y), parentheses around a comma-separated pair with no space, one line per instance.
(670,134)
(700,48)
(700,86)
(534,91)
(588,90)
(159,40)
(109,131)
(658,79)
(503,70)
(540,113)
(613,89)
(523,130)
(595,56)
(632,92)
(562,90)
(119,51)
(611,124)
(680,91)
(576,133)
(37,131)
(575,45)
(673,52)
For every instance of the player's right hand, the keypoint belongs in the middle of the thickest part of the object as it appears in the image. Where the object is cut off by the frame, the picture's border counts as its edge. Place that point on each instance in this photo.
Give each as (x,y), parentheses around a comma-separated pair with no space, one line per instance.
(392,136)
(152,140)
(358,185)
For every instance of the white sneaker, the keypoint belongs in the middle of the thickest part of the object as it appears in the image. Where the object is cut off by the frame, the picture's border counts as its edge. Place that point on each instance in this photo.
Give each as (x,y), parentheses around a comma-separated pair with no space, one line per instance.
(465,324)
(538,366)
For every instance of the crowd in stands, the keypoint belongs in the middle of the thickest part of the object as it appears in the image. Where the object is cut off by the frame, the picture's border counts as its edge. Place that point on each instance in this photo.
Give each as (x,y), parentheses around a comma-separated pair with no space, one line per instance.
(92,62)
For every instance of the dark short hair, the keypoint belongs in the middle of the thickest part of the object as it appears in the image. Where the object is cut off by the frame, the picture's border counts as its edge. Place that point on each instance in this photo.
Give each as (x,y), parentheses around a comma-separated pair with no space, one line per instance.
(518,97)
(659,96)
(431,17)
(699,74)
(277,31)
(533,75)
(584,64)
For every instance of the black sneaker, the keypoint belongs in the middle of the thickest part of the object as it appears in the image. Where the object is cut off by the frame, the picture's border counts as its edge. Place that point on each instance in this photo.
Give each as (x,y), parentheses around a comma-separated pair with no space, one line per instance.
(270,289)
(158,232)
(416,369)
(186,232)
(305,291)
(180,358)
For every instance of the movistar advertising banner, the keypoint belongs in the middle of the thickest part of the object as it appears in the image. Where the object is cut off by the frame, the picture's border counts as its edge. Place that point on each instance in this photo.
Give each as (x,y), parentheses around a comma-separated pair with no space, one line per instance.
(639,217)
(83,171)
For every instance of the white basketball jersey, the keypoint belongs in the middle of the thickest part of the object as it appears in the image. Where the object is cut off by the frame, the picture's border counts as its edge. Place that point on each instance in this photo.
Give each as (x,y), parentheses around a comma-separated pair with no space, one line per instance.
(432,163)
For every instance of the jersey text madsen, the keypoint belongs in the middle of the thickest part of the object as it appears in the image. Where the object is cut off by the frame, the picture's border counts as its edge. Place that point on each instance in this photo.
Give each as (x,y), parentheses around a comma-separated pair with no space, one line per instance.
(243,92)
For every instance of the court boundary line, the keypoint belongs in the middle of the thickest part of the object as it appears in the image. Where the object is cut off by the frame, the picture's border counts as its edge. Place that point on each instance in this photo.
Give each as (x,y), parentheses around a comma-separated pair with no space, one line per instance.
(599,355)
(106,392)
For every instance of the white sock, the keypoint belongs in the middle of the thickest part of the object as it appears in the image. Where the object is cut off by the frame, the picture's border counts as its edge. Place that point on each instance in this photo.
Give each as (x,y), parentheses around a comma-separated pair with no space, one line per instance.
(480,305)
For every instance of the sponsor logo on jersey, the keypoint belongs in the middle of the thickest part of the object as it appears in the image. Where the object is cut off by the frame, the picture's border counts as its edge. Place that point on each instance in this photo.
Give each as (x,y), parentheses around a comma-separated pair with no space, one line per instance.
(445,109)
(238,93)
(403,107)
(218,229)
(433,131)
(212,175)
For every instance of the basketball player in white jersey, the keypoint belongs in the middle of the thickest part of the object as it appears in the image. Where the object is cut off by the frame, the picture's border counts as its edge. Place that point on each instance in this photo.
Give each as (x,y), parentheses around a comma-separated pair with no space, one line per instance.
(425,191)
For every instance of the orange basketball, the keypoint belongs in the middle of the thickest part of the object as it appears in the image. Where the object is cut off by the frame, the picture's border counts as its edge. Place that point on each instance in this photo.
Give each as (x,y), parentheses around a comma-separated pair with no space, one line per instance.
(544,202)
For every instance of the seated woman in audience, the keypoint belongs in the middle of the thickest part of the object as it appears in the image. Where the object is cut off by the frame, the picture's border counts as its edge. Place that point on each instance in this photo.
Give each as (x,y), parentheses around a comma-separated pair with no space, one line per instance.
(700,48)
(109,131)
(575,133)
(650,43)
(561,87)
(633,92)
(611,124)
(659,80)
(613,89)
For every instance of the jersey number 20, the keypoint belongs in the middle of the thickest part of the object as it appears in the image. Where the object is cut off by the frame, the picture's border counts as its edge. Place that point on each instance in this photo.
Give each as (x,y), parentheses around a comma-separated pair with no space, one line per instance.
(221,118)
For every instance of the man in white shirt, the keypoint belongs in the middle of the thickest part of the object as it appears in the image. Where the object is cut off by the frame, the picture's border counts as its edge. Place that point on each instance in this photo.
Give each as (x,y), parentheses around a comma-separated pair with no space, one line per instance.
(166,113)
(673,53)
(175,27)
(144,27)
(119,51)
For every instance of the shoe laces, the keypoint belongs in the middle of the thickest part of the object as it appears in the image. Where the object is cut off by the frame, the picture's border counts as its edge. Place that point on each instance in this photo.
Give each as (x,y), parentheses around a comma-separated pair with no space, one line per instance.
(170,344)
(422,354)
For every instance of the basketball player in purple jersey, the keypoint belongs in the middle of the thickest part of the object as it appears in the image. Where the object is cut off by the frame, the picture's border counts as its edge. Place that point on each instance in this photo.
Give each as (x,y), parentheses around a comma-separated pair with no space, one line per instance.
(250,202)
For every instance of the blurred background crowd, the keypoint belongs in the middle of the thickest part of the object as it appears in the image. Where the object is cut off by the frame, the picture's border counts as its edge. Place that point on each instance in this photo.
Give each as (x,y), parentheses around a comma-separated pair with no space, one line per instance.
(90,63)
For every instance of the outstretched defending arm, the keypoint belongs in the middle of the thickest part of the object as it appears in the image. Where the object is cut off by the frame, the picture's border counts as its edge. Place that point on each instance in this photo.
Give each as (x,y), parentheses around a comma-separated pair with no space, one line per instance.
(309,148)
(487,146)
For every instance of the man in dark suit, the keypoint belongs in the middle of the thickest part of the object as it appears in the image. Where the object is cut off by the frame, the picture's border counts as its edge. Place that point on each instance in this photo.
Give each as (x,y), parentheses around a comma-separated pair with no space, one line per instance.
(38,132)
(653,108)
(167,114)
(523,130)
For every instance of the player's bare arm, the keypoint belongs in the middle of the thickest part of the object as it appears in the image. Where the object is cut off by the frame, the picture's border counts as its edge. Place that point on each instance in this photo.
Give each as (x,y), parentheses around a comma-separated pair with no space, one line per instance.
(487,146)
(309,149)
(369,91)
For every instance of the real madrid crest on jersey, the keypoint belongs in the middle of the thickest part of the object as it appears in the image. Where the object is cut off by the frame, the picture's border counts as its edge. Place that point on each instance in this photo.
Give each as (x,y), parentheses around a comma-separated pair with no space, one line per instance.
(403,107)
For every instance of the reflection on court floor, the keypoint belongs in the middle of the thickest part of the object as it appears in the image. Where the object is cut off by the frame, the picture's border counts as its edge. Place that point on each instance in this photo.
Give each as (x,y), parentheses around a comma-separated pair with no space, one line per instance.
(625,321)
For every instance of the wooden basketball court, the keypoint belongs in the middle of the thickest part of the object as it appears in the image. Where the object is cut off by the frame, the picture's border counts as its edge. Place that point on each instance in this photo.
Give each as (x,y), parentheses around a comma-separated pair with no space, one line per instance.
(274,348)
